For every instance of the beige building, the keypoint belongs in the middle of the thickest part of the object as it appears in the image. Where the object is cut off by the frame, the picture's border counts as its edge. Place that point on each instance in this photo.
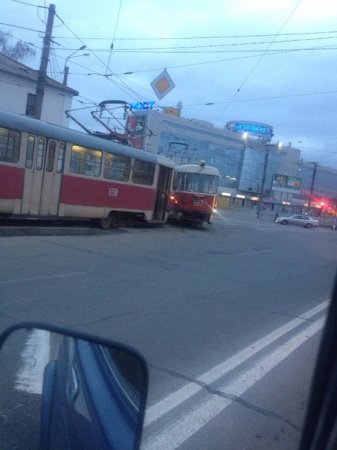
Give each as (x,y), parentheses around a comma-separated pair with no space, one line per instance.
(18,86)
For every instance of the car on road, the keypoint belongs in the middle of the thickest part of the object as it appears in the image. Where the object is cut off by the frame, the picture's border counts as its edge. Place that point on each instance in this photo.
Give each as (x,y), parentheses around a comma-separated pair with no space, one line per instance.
(298,219)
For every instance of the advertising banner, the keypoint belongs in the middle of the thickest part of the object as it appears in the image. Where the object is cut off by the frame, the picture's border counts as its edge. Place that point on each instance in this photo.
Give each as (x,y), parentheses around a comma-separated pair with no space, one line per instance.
(136,126)
(285,183)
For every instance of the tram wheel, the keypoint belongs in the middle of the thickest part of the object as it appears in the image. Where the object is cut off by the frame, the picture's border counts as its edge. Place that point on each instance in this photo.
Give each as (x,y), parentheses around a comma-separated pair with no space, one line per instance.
(106,222)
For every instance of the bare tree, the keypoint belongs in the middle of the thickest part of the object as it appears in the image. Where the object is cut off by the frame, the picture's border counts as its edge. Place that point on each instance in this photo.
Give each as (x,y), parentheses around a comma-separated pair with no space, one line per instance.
(19,51)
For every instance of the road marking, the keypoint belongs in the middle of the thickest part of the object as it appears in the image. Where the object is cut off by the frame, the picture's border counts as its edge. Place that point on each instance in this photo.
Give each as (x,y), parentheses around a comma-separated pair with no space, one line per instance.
(184,427)
(186,392)
(47,277)
(35,357)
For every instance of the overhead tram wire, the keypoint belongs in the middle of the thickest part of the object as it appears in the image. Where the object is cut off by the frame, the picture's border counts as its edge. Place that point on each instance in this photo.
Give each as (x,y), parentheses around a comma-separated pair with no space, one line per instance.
(182,66)
(260,58)
(114,35)
(26,42)
(121,84)
(29,4)
(158,38)
(197,52)
(194,47)
(275,97)
(22,28)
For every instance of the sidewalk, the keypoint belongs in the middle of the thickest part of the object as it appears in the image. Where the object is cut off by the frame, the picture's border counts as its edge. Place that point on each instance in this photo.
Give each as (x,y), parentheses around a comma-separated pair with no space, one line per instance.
(266,216)
(249,214)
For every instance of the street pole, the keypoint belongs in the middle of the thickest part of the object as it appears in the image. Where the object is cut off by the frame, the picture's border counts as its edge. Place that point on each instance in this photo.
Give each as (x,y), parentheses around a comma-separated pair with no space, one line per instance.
(242,159)
(265,165)
(41,82)
(65,76)
(312,184)
(66,68)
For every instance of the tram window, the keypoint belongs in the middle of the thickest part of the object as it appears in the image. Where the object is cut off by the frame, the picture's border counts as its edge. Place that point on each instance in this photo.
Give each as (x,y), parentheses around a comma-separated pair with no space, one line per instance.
(195,182)
(203,183)
(179,182)
(30,152)
(60,157)
(50,156)
(143,172)
(85,161)
(10,141)
(117,167)
(40,153)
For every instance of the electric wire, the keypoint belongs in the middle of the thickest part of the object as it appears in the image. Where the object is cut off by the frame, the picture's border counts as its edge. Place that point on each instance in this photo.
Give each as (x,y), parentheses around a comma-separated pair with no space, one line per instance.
(114,35)
(274,97)
(250,73)
(159,38)
(120,84)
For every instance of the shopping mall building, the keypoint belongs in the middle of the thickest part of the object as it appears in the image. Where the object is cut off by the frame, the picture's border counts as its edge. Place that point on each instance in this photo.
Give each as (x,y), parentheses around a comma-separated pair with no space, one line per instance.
(249,163)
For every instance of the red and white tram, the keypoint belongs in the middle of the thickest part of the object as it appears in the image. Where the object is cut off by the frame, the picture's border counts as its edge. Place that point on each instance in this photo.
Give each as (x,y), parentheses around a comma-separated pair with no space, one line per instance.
(194,192)
(51,171)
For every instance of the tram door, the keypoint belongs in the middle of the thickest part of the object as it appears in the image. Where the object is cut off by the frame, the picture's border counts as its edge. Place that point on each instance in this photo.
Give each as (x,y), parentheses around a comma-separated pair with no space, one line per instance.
(43,176)
(163,191)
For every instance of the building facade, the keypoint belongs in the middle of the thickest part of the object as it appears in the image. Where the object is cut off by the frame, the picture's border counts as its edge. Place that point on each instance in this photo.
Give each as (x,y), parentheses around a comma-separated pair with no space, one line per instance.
(319,185)
(246,163)
(18,86)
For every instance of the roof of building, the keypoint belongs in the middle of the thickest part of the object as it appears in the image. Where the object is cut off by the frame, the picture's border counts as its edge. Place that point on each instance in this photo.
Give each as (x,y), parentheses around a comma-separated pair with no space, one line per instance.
(12,67)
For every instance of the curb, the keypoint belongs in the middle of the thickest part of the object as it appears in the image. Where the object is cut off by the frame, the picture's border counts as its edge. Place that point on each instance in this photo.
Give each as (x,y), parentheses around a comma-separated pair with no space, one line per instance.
(50,231)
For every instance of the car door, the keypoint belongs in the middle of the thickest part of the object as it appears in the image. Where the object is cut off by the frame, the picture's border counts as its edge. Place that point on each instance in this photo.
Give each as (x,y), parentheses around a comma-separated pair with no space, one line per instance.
(295,220)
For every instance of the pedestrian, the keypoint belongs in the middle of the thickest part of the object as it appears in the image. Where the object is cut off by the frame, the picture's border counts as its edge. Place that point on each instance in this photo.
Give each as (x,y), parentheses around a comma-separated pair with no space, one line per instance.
(334,224)
(276,216)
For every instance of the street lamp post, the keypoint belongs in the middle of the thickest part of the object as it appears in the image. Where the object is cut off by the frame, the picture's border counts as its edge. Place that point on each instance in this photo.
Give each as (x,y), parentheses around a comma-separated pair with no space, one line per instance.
(312,186)
(66,68)
(263,182)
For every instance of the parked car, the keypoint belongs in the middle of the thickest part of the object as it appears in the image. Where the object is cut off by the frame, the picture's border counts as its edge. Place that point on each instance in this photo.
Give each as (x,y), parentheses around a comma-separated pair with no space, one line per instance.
(298,219)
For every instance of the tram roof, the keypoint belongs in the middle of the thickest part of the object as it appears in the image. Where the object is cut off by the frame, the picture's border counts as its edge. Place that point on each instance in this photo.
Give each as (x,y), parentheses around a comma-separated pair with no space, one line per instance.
(27,124)
(197,168)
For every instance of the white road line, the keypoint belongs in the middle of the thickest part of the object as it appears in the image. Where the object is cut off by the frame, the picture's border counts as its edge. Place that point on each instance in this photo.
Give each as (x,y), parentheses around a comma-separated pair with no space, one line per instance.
(184,427)
(35,357)
(186,392)
(47,277)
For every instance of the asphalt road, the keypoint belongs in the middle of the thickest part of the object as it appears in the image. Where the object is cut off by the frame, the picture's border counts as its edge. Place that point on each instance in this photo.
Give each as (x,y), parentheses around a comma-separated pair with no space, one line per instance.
(228,317)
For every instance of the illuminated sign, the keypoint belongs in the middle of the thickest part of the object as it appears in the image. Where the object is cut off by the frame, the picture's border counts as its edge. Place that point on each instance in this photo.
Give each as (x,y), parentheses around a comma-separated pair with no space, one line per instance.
(285,183)
(258,130)
(141,106)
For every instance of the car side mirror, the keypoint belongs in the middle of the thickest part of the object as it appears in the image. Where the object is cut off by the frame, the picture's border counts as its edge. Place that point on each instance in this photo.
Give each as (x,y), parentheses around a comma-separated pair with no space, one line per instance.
(63,389)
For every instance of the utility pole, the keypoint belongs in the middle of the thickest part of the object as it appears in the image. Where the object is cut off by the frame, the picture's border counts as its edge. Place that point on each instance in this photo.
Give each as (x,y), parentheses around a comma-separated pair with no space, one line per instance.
(41,82)
(263,182)
(312,183)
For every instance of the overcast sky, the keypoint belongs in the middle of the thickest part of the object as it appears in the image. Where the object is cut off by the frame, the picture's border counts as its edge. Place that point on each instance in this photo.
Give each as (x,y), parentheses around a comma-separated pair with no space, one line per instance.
(271,61)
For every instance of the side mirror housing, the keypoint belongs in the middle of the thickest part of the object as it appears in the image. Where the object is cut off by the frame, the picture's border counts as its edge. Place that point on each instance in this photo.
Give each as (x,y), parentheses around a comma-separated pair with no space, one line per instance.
(64,389)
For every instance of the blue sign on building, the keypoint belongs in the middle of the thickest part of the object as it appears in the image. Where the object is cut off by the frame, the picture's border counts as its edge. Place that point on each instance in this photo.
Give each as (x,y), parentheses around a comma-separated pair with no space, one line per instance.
(259,130)
(141,106)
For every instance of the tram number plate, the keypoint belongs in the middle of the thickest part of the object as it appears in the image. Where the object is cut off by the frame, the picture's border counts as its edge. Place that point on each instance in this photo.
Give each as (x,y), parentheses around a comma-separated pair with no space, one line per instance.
(113,192)
(198,202)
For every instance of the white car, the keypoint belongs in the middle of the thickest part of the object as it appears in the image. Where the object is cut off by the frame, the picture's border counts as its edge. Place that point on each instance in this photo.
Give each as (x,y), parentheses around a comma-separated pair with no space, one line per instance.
(298,219)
